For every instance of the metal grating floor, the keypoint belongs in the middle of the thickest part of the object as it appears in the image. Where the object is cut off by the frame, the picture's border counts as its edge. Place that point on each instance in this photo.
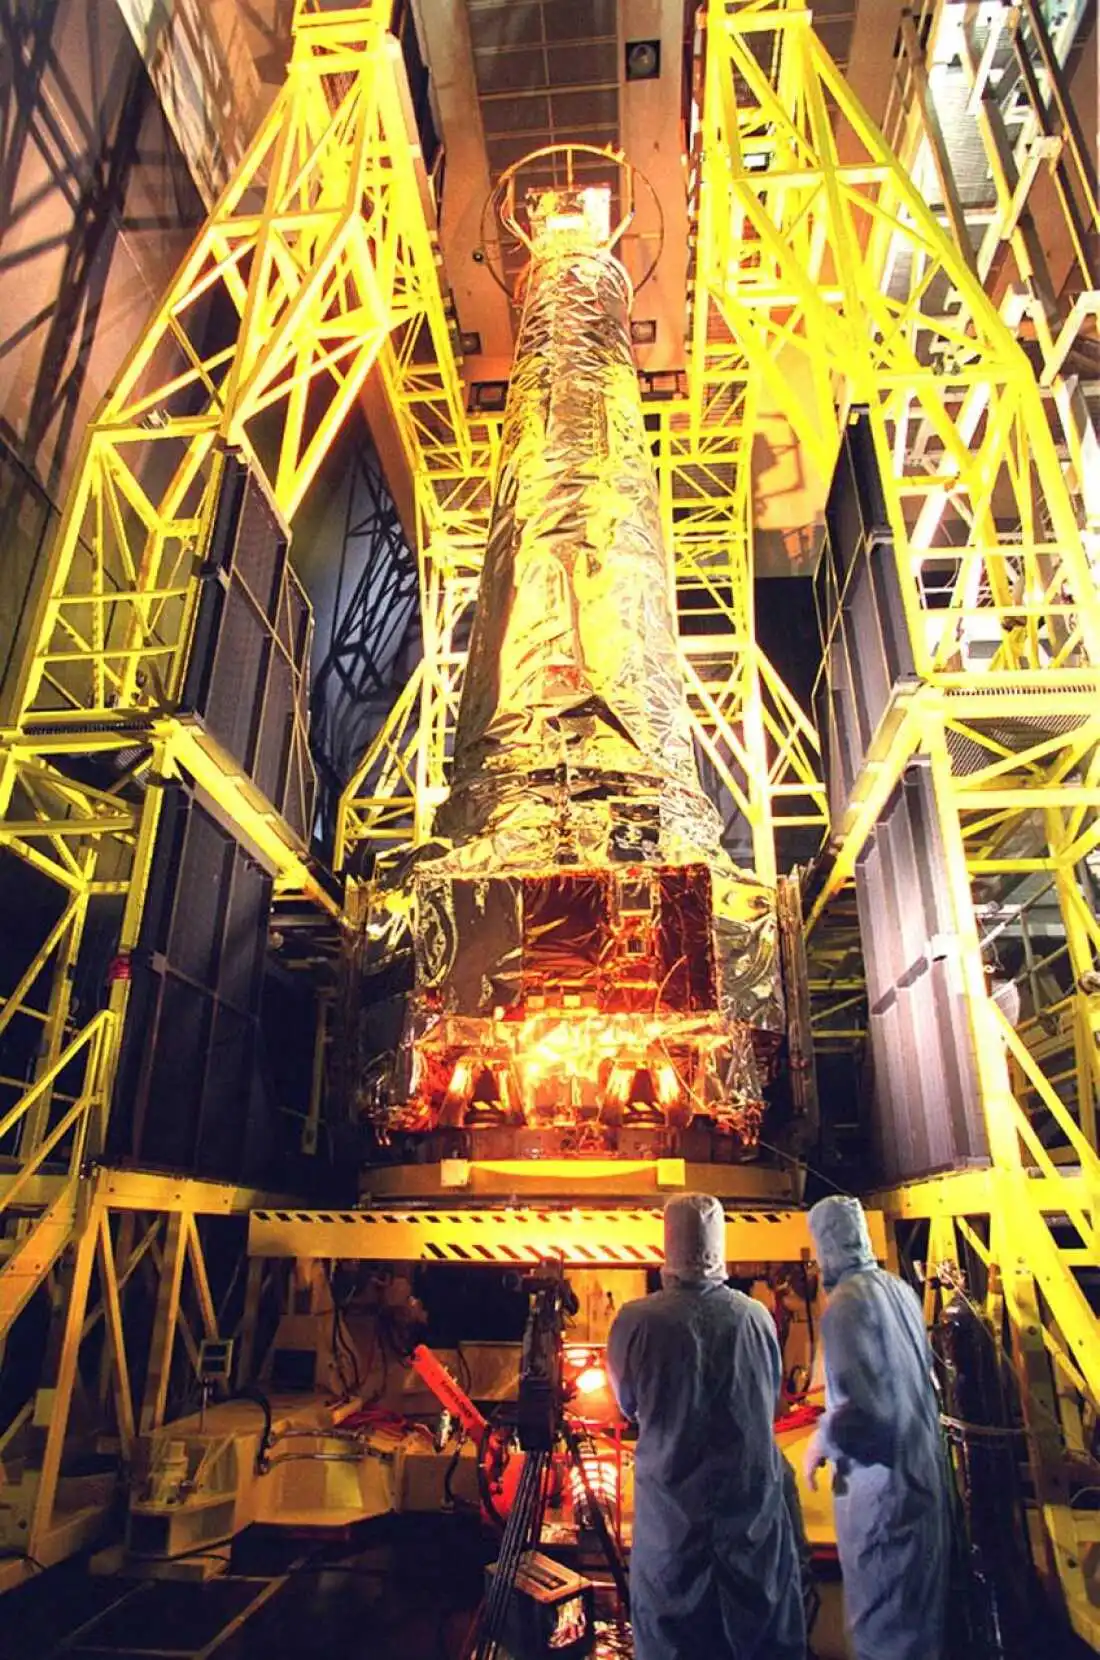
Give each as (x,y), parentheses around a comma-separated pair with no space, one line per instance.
(406,1589)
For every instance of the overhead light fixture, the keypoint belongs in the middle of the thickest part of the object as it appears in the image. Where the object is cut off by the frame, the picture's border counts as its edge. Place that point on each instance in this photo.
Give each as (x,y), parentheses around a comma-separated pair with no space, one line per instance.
(667,383)
(470,341)
(643,331)
(488,397)
(643,60)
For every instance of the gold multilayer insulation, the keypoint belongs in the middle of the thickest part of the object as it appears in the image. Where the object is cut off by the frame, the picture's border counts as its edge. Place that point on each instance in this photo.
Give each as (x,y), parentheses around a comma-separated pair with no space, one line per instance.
(587,955)
(574,694)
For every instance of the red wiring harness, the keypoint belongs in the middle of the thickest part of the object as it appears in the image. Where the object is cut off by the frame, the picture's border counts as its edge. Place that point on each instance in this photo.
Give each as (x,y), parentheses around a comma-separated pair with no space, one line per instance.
(800,1416)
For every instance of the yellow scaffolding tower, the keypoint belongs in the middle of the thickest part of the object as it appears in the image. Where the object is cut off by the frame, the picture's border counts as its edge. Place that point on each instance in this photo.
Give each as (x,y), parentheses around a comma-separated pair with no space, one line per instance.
(317,265)
(843,264)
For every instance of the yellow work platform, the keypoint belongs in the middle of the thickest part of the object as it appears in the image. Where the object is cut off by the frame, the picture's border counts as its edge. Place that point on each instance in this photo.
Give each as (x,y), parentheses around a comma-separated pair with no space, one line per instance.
(625,1237)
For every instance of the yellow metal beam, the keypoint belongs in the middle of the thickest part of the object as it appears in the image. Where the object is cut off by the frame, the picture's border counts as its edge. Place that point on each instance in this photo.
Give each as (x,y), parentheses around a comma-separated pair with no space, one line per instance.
(584,1180)
(522,1236)
(147,1191)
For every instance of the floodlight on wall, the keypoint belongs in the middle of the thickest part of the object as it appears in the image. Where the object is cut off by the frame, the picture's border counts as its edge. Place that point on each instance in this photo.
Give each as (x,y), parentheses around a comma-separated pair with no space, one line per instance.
(643,331)
(470,342)
(488,397)
(643,60)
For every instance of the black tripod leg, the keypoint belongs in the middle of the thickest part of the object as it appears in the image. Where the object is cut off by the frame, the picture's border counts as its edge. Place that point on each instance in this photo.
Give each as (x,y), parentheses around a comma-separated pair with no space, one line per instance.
(522,1527)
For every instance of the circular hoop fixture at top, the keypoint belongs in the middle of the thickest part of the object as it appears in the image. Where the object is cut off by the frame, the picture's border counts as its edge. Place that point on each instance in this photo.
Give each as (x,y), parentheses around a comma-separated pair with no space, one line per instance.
(574,195)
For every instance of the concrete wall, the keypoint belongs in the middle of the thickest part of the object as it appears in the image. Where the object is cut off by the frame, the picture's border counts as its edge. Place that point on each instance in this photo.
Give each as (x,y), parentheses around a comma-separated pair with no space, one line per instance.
(96,209)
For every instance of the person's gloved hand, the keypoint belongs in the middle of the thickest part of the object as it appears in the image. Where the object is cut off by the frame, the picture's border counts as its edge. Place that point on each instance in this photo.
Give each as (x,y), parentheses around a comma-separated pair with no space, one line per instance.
(815,1457)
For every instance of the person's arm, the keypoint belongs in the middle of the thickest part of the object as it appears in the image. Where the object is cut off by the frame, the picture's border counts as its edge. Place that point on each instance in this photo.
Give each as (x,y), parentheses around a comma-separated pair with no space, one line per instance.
(620,1370)
(764,1349)
(860,1423)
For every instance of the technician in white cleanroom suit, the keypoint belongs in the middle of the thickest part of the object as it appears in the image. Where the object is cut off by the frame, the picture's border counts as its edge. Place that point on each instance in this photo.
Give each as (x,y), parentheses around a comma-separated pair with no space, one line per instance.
(714,1572)
(881,1432)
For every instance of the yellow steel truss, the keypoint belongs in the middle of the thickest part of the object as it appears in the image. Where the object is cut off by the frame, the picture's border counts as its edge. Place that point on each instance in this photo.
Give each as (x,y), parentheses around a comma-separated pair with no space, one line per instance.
(128,1227)
(983,1220)
(842,266)
(318,265)
(1006,818)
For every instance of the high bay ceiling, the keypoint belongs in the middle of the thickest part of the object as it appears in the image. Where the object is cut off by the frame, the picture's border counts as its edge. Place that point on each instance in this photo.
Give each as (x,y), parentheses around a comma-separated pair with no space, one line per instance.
(500,78)
(511,76)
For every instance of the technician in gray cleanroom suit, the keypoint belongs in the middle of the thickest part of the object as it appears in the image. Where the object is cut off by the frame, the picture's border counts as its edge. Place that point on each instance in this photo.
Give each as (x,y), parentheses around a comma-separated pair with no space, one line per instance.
(714,1572)
(881,1432)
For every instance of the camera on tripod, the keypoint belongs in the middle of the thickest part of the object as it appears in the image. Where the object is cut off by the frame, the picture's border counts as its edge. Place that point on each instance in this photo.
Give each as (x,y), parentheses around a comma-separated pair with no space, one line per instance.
(534,1606)
(551,1301)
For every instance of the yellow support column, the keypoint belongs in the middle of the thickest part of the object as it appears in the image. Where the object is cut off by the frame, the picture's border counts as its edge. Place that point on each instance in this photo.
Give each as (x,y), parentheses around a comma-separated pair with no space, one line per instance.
(318,263)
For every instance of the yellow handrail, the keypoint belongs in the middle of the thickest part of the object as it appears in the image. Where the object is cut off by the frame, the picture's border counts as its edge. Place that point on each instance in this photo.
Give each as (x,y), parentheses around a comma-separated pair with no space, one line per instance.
(91,1038)
(1090,1163)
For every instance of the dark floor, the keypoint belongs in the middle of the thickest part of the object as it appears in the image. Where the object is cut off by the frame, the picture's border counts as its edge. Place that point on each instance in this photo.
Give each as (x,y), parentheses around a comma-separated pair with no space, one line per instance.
(406,1588)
